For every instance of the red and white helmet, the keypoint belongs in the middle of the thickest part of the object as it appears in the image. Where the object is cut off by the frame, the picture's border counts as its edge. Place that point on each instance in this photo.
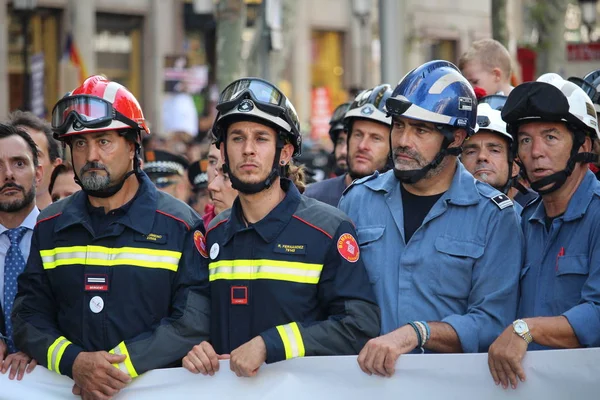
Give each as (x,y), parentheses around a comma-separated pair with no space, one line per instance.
(97,105)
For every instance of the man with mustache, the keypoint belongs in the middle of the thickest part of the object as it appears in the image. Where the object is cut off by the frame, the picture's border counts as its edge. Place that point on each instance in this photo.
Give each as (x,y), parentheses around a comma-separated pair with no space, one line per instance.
(286,277)
(114,284)
(368,128)
(488,154)
(554,124)
(20,172)
(434,239)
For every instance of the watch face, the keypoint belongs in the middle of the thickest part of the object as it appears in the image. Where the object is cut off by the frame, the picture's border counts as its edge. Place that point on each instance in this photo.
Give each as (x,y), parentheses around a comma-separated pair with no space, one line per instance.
(520,327)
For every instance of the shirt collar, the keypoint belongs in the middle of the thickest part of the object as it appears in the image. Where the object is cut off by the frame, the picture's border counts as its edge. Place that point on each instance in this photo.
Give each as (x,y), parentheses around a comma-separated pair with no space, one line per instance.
(273,223)
(139,216)
(462,191)
(28,222)
(579,202)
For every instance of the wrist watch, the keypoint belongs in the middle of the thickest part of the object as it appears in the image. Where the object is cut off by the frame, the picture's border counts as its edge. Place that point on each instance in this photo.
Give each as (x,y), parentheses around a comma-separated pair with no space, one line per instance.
(520,328)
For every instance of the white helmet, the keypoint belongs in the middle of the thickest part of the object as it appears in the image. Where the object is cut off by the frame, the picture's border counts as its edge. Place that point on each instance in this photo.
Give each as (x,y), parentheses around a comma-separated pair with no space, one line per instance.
(580,104)
(491,120)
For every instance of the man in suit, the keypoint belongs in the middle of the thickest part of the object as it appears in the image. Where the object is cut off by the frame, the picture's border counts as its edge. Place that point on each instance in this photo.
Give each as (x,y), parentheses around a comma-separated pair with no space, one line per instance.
(20,173)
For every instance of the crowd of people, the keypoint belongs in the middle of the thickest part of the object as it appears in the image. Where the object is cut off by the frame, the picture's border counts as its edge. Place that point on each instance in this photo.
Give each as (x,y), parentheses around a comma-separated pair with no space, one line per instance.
(461,219)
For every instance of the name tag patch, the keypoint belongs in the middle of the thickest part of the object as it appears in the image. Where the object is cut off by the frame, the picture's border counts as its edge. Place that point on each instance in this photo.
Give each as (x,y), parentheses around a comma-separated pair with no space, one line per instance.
(239,295)
(96,283)
(290,248)
(152,237)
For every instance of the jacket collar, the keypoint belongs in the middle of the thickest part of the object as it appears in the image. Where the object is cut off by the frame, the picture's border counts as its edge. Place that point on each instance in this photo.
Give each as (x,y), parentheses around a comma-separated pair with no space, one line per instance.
(140,216)
(463,189)
(579,203)
(273,223)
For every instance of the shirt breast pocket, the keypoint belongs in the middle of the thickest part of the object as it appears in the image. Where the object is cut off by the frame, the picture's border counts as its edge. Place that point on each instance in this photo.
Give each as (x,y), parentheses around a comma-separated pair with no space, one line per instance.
(455,259)
(571,275)
(372,252)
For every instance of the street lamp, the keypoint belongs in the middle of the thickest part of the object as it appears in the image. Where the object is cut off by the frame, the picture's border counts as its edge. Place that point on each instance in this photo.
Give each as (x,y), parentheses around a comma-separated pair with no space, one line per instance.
(362,10)
(25,7)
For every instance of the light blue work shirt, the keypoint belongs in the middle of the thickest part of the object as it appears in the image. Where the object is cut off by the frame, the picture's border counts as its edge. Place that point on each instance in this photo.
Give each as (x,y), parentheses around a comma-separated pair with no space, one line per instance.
(561,274)
(461,266)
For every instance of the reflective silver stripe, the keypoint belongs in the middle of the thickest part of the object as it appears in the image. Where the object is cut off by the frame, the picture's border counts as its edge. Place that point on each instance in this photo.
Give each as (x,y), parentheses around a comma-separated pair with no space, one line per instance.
(55,353)
(292,340)
(443,82)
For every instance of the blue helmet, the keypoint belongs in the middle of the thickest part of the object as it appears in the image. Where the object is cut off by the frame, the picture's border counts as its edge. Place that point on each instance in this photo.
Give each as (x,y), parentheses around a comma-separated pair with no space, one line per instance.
(438,93)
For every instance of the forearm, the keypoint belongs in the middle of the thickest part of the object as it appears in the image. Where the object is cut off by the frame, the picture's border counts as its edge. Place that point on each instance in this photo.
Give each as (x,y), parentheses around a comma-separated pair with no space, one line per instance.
(555,332)
(443,338)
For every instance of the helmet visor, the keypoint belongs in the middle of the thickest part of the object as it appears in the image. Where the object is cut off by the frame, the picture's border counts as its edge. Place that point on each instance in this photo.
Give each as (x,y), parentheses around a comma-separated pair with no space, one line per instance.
(261,91)
(89,110)
(495,101)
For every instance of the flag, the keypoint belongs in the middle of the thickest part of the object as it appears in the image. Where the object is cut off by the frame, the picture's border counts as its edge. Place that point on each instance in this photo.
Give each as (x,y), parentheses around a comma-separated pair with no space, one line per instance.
(72,54)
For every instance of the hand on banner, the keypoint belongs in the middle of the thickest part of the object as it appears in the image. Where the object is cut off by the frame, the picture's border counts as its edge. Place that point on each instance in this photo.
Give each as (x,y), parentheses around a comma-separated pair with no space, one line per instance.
(95,375)
(203,359)
(247,359)
(505,356)
(380,354)
(18,362)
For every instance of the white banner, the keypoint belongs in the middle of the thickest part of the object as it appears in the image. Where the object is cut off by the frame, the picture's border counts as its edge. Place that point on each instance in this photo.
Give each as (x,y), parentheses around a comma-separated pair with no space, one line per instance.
(560,374)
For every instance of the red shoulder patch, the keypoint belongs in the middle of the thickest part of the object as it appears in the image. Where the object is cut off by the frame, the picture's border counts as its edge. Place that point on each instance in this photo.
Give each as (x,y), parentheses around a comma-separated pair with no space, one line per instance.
(348,248)
(200,243)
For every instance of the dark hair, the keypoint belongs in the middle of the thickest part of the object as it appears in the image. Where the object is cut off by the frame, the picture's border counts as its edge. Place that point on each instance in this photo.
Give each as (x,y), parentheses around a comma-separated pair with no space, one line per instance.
(60,169)
(29,120)
(11,130)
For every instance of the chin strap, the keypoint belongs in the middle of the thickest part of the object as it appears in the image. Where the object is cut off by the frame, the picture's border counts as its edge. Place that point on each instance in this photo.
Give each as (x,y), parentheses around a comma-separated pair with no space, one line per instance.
(559,178)
(114,189)
(415,175)
(253,188)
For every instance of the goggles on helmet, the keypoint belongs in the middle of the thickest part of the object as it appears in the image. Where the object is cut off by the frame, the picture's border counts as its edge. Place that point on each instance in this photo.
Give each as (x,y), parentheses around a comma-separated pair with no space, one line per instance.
(496,101)
(264,95)
(86,111)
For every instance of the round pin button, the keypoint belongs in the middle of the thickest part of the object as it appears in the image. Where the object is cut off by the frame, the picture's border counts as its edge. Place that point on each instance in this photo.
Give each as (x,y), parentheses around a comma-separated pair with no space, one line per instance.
(214,251)
(96,304)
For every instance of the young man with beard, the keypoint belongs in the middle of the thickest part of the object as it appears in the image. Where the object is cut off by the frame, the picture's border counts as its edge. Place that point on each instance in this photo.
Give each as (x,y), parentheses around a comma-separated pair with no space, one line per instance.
(49,151)
(554,124)
(19,175)
(368,128)
(286,275)
(339,138)
(114,284)
(443,250)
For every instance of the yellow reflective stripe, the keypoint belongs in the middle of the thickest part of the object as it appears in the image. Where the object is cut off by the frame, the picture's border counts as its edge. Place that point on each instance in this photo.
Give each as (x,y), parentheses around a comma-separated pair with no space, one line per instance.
(108,257)
(126,366)
(286,343)
(292,340)
(265,269)
(55,353)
